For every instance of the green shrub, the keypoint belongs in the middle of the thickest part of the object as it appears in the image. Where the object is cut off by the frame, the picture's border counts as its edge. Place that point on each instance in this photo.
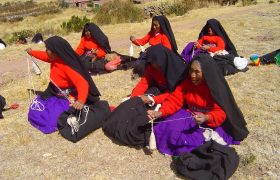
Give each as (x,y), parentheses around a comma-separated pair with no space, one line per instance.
(177,9)
(119,12)
(271,2)
(75,24)
(24,33)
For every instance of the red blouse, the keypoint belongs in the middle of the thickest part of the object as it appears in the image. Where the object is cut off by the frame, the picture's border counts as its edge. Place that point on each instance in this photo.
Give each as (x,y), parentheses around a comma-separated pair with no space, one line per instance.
(153,39)
(198,98)
(151,74)
(217,41)
(89,44)
(64,76)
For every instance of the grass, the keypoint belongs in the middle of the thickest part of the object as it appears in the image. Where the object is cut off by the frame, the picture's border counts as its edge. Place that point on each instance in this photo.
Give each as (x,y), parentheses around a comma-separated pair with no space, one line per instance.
(28,154)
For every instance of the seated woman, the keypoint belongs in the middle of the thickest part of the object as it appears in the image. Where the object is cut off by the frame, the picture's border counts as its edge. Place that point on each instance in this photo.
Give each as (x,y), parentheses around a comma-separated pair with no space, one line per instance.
(128,123)
(3,45)
(38,38)
(164,69)
(160,33)
(211,113)
(212,38)
(70,81)
(95,45)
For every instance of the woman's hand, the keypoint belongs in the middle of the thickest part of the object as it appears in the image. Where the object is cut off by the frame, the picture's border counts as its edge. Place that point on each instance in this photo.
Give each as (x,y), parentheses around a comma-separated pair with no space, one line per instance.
(78,105)
(94,51)
(28,50)
(200,118)
(132,38)
(195,44)
(204,47)
(152,115)
(146,100)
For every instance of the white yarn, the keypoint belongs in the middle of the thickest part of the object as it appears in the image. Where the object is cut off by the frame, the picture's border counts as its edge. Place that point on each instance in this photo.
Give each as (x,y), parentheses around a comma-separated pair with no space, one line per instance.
(36,69)
(30,81)
(240,63)
(74,122)
(131,50)
(142,48)
(220,52)
(211,134)
(153,143)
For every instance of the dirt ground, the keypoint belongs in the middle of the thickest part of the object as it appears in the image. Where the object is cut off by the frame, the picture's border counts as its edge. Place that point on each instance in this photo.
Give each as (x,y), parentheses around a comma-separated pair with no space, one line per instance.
(26,153)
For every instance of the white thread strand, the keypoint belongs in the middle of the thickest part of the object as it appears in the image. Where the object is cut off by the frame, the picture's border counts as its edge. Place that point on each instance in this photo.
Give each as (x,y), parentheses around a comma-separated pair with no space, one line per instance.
(30,82)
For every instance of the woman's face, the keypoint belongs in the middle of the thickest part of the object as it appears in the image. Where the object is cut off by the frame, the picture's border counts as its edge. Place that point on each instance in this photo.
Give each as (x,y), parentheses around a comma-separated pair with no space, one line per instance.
(52,56)
(196,73)
(210,31)
(156,26)
(87,34)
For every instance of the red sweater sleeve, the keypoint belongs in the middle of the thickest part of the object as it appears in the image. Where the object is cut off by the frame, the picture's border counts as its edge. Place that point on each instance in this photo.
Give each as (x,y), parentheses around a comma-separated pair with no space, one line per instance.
(142,85)
(217,116)
(220,44)
(160,98)
(100,52)
(217,40)
(173,102)
(142,41)
(81,47)
(166,42)
(79,82)
(41,55)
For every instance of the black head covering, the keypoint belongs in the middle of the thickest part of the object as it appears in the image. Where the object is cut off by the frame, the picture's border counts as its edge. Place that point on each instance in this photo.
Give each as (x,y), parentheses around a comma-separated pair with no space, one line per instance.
(166,29)
(219,30)
(37,38)
(2,105)
(221,93)
(98,35)
(2,42)
(171,65)
(66,53)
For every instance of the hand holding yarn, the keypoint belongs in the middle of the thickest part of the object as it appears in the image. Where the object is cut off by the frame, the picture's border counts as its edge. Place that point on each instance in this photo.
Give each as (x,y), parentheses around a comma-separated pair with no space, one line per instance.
(152,115)
(28,50)
(78,105)
(200,118)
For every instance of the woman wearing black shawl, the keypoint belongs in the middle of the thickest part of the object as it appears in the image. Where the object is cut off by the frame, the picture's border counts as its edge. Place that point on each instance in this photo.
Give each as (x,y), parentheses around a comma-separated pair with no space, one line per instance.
(212,39)
(70,81)
(212,112)
(164,69)
(93,47)
(218,29)
(160,33)
(94,40)
(128,123)
(38,38)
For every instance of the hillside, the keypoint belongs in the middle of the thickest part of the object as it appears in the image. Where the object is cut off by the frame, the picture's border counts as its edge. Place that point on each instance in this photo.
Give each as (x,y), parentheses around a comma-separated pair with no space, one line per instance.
(25,153)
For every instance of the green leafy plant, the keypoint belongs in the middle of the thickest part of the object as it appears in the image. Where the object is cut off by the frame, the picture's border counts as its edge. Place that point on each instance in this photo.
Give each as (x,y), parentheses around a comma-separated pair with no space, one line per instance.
(75,24)
(24,33)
